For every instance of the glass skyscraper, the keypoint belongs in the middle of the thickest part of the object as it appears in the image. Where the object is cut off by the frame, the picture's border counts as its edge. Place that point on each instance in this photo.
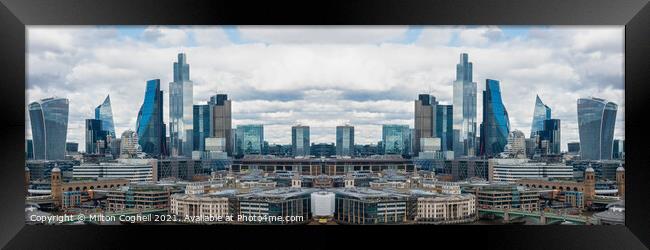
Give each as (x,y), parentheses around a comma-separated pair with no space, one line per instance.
(345,140)
(49,122)
(249,139)
(464,109)
(181,109)
(444,126)
(496,124)
(551,134)
(94,134)
(104,113)
(395,139)
(300,140)
(202,126)
(540,114)
(596,121)
(150,126)
(425,120)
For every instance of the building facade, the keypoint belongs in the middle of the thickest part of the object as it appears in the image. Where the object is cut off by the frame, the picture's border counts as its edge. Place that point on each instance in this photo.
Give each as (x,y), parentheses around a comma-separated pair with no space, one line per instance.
(465,109)
(181,109)
(445,127)
(540,114)
(202,127)
(425,120)
(249,139)
(300,141)
(150,128)
(496,124)
(49,122)
(104,112)
(345,140)
(551,135)
(95,136)
(395,139)
(596,120)
(511,170)
(222,120)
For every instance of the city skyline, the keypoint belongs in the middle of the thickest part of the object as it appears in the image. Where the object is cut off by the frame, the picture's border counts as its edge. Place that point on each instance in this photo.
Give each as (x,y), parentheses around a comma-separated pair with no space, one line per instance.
(364,91)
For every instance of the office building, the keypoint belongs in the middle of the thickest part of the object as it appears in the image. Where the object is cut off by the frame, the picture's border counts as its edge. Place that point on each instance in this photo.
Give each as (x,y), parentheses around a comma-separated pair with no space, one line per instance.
(434,208)
(499,196)
(203,206)
(445,127)
(104,112)
(516,147)
(129,148)
(71,148)
(29,149)
(365,206)
(181,109)
(279,202)
(425,120)
(465,109)
(150,127)
(300,141)
(345,140)
(249,139)
(95,137)
(496,124)
(550,135)
(134,170)
(49,122)
(202,127)
(395,139)
(596,120)
(222,120)
(140,196)
(619,149)
(540,114)
(511,170)
(322,149)
(573,147)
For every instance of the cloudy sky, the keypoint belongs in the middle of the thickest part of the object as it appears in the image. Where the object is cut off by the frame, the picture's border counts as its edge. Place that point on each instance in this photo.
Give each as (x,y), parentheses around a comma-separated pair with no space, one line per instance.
(326,76)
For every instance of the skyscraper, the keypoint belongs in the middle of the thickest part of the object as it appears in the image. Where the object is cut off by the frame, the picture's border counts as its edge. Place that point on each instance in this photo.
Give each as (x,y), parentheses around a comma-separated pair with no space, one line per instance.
(222,120)
(202,126)
(150,127)
(541,113)
(395,139)
(95,135)
(104,112)
(444,126)
(129,147)
(300,140)
(496,124)
(250,139)
(551,134)
(345,140)
(49,121)
(596,121)
(425,120)
(181,109)
(464,109)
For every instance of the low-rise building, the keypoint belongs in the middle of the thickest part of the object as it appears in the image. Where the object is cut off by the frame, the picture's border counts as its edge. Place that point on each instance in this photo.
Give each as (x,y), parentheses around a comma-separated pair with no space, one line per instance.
(444,209)
(511,170)
(506,196)
(275,206)
(369,206)
(134,170)
(140,197)
(203,208)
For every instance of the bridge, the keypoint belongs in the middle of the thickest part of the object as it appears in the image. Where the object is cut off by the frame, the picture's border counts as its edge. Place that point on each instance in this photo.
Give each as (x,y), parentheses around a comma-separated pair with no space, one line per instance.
(539,216)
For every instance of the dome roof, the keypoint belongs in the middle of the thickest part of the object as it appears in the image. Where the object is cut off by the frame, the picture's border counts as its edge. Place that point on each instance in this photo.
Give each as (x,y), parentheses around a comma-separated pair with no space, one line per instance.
(589,169)
(620,169)
(56,170)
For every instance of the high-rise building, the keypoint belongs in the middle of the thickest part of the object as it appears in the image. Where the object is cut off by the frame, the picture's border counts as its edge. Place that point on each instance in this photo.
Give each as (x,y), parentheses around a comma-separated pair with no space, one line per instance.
(49,121)
(29,149)
(425,120)
(464,109)
(222,120)
(104,112)
(300,140)
(202,127)
(540,114)
(395,139)
(150,127)
(181,109)
(445,126)
(249,139)
(71,148)
(596,120)
(129,147)
(496,124)
(345,140)
(95,135)
(551,134)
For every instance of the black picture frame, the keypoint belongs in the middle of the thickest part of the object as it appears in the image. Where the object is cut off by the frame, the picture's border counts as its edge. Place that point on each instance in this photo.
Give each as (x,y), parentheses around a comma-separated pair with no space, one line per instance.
(16,14)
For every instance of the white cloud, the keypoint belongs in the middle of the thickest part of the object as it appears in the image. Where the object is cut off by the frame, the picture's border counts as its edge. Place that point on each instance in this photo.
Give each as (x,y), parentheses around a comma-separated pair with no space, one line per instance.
(326,77)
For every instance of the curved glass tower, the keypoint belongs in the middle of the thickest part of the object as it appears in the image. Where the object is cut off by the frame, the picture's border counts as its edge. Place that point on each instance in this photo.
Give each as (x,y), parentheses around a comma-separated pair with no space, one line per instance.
(541,113)
(150,127)
(496,124)
(49,121)
(181,109)
(104,113)
(464,109)
(596,120)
